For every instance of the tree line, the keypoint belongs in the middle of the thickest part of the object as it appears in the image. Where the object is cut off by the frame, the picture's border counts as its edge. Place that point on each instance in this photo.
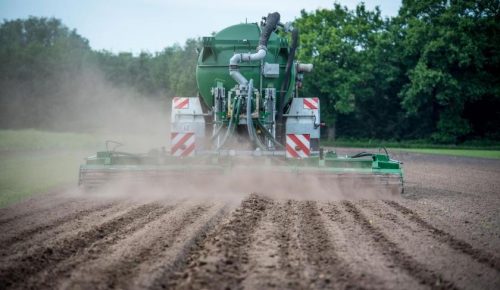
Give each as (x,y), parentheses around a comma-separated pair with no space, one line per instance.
(431,72)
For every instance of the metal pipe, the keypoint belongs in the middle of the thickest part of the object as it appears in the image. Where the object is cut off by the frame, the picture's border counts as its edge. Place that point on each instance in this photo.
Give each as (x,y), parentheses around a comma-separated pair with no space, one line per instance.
(249,111)
(234,67)
(234,61)
(305,67)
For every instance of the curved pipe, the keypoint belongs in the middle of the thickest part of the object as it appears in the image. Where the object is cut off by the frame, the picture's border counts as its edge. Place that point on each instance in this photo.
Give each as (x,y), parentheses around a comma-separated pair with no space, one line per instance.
(234,61)
(272,21)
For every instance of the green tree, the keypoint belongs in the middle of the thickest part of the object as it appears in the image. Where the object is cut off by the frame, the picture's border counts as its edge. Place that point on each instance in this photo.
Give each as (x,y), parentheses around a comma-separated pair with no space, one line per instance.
(451,49)
(348,75)
(32,53)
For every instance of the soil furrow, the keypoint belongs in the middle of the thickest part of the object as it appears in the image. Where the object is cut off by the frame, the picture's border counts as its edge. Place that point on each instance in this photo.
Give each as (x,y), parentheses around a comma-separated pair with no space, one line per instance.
(444,237)
(274,259)
(323,267)
(122,274)
(287,235)
(18,250)
(170,274)
(438,235)
(17,217)
(46,202)
(24,235)
(223,259)
(374,206)
(37,210)
(373,269)
(46,258)
(399,257)
(50,279)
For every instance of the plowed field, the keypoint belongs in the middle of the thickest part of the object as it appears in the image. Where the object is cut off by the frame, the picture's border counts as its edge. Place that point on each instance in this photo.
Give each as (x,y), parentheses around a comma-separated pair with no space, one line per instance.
(444,232)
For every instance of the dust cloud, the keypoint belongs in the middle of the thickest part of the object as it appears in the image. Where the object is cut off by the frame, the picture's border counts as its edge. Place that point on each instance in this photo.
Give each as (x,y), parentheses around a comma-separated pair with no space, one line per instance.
(118,113)
(241,180)
(90,103)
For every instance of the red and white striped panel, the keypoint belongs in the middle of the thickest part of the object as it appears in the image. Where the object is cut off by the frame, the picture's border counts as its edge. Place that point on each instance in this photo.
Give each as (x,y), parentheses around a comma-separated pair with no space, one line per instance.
(298,145)
(180,103)
(311,103)
(183,144)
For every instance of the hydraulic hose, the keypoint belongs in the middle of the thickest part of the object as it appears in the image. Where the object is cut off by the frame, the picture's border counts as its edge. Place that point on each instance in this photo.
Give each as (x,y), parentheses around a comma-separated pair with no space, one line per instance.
(272,22)
(219,130)
(250,126)
(361,154)
(288,72)
(269,135)
(231,125)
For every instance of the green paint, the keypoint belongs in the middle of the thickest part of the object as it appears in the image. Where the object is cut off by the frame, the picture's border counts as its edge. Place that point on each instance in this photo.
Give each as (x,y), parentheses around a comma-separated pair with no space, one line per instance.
(378,165)
(213,60)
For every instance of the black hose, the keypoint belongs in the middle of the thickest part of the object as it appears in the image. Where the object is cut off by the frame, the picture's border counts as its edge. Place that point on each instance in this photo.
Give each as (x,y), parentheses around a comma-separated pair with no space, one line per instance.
(288,73)
(269,135)
(365,154)
(272,21)
(361,154)
(259,143)
(251,130)
(289,63)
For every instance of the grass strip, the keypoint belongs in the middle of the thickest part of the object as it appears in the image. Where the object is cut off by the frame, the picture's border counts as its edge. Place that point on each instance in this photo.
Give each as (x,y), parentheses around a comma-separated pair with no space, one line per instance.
(493,154)
(24,175)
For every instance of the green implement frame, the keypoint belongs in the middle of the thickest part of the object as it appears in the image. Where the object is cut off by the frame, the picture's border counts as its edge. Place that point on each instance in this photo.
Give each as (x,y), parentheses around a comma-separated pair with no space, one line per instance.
(370,170)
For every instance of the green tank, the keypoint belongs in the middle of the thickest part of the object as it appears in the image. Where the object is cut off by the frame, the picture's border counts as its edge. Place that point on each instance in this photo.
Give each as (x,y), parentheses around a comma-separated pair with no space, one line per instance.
(255,122)
(213,60)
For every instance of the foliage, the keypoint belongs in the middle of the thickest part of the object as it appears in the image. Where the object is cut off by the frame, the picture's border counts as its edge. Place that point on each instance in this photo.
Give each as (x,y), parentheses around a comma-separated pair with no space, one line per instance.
(431,72)
(453,52)
(48,73)
(476,144)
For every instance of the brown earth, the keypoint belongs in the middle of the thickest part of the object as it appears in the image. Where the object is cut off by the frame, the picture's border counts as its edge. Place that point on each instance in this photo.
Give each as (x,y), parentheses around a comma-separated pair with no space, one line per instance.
(443,233)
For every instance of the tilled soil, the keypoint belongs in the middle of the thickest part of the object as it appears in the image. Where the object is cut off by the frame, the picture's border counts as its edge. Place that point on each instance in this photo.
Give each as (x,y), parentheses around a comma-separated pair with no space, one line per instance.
(443,233)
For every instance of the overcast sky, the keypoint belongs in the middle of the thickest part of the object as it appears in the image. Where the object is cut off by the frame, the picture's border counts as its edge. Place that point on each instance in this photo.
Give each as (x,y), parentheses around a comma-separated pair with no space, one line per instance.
(151,25)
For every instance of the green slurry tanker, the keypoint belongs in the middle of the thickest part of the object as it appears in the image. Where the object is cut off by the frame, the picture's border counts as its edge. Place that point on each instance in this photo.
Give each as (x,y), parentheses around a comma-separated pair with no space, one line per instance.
(248,117)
